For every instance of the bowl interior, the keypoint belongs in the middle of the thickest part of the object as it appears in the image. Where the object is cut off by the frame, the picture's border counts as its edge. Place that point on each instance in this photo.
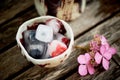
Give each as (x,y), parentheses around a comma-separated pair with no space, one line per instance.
(24,27)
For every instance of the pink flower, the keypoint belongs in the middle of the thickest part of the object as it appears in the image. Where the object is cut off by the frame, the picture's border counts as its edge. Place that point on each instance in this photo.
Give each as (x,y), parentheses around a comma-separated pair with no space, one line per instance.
(100,52)
(94,46)
(103,40)
(105,55)
(85,65)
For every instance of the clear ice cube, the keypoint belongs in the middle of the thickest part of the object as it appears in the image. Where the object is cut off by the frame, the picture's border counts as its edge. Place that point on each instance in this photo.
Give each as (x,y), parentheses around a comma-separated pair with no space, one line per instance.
(44,33)
(62,38)
(35,48)
(54,24)
(59,36)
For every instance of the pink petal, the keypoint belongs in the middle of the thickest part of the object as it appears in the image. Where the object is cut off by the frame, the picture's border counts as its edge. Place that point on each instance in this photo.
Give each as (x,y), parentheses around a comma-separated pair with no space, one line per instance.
(88,57)
(98,58)
(91,69)
(107,55)
(82,70)
(103,40)
(105,64)
(112,50)
(81,59)
(107,46)
(102,49)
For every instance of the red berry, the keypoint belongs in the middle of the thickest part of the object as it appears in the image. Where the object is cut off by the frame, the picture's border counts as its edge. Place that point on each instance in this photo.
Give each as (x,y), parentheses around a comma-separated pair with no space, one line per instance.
(65,41)
(59,50)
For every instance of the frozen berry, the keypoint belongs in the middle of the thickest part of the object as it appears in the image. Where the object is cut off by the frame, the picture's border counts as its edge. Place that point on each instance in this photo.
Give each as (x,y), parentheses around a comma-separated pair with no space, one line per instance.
(56,48)
(62,38)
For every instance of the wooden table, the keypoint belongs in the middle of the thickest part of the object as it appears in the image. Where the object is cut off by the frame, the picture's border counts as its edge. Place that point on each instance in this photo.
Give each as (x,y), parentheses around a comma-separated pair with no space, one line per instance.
(100,17)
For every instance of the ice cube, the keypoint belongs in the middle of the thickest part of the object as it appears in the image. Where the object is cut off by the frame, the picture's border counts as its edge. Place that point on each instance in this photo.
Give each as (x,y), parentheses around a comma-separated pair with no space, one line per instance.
(44,33)
(35,48)
(29,35)
(59,36)
(54,24)
(62,38)
(56,48)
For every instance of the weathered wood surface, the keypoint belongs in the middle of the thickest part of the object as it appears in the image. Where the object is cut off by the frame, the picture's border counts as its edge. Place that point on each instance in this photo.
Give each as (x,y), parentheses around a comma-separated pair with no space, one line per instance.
(108,29)
(14,7)
(112,74)
(118,78)
(88,20)
(111,29)
(12,62)
(91,17)
(117,57)
(9,30)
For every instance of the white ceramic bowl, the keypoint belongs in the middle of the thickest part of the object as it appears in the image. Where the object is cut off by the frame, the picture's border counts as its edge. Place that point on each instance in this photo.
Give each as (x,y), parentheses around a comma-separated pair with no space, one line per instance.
(50,62)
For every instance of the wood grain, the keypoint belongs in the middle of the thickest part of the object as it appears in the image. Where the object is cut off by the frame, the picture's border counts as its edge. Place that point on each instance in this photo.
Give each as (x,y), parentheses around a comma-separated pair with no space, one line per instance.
(86,21)
(118,78)
(100,74)
(13,8)
(91,17)
(112,74)
(117,57)
(11,62)
(9,30)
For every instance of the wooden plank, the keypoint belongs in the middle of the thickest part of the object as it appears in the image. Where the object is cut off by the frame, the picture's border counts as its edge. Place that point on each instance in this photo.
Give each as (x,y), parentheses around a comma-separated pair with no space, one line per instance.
(117,57)
(11,62)
(118,78)
(92,16)
(100,74)
(13,8)
(37,72)
(9,30)
(108,29)
(114,72)
(88,19)
(111,29)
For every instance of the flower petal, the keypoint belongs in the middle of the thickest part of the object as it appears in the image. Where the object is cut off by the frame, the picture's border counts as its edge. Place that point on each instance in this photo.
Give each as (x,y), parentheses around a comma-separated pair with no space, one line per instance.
(82,70)
(107,46)
(107,55)
(103,40)
(87,57)
(81,59)
(102,49)
(91,69)
(98,58)
(112,50)
(105,64)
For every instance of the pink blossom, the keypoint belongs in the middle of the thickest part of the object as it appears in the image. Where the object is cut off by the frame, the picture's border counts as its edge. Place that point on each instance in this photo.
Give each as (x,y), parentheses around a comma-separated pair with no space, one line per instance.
(100,52)
(103,40)
(94,46)
(105,55)
(85,65)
